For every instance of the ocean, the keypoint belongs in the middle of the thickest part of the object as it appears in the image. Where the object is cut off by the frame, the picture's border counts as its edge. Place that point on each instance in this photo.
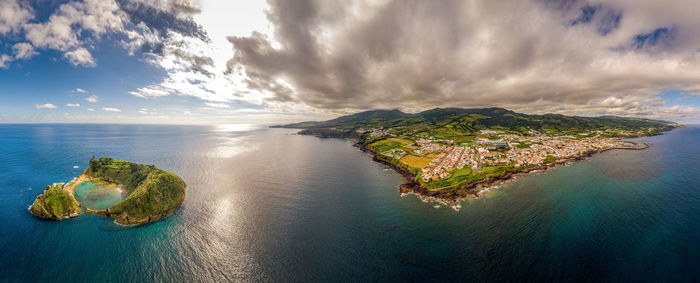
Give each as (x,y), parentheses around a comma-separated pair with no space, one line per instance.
(268,205)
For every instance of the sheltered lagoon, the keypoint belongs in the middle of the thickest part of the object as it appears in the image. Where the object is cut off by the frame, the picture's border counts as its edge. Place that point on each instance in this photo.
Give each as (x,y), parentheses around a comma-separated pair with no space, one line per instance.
(151,193)
(99,194)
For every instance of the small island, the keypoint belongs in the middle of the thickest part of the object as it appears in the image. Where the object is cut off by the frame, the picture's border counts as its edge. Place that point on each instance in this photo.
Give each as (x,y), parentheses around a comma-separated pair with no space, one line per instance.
(151,193)
(55,203)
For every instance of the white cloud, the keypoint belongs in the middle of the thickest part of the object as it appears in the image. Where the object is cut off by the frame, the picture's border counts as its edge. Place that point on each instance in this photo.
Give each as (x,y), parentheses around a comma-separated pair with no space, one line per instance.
(72,22)
(45,106)
(80,56)
(240,20)
(111,109)
(4,60)
(91,109)
(73,104)
(81,90)
(23,50)
(91,99)
(62,30)
(13,16)
(217,105)
(143,111)
(55,34)
(151,91)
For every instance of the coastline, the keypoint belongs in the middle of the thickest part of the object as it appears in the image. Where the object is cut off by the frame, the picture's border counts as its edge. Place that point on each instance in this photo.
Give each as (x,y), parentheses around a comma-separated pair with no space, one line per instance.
(124,220)
(69,188)
(452,197)
(119,218)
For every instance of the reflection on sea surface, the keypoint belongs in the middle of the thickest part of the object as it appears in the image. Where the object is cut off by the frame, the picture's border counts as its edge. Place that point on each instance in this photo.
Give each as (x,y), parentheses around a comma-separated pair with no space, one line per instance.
(268,205)
(227,147)
(234,127)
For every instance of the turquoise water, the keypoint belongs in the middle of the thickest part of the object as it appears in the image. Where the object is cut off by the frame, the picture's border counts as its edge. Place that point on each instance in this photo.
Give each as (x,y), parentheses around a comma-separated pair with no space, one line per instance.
(99,195)
(267,205)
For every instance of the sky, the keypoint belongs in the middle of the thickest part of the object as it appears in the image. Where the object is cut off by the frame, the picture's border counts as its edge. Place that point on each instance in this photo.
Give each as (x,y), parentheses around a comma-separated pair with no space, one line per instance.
(257,62)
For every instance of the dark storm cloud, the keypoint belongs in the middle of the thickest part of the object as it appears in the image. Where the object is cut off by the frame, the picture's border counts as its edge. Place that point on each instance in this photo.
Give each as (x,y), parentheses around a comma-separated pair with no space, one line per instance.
(530,55)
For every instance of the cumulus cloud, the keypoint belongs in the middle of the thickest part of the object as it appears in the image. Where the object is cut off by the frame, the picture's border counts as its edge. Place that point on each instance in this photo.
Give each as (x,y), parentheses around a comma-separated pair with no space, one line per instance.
(80,56)
(81,90)
(45,106)
(146,26)
(13,15)
(111,109)
(530,56)
(71,20)
(73,104)
(4,60)
(91,99)
(23,50)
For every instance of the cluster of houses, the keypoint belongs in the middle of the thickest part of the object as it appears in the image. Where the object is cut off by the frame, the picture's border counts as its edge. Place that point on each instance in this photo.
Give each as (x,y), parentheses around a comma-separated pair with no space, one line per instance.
(543,146)
(453,157)
(539,147)
(489,142)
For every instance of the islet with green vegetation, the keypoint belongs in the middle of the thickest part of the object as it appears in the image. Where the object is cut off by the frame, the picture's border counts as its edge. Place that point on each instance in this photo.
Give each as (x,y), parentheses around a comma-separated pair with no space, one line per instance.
(152,193)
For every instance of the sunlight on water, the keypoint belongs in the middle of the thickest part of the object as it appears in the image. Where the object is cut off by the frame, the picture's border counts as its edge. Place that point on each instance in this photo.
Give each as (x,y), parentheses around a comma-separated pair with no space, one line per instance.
(222,216)
(289,208)
(228,147)
(226,128)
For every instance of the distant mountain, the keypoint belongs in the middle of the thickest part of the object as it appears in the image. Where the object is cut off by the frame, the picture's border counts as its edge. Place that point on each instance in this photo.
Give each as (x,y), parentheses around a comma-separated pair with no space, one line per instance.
(472,120)
(357,119)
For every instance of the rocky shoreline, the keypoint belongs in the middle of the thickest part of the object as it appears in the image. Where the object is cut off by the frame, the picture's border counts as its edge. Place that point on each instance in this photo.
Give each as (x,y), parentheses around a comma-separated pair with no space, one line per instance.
(452,197)
(69,190)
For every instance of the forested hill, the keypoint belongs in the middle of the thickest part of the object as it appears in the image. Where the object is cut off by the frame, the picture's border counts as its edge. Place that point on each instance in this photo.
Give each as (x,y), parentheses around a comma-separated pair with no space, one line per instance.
(472,120)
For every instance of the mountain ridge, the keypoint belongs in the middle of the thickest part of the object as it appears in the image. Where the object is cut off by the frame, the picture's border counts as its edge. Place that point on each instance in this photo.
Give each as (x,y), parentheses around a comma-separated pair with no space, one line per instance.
(475,119)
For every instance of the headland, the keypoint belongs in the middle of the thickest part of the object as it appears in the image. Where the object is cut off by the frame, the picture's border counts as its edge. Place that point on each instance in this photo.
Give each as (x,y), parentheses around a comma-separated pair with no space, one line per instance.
(447,155)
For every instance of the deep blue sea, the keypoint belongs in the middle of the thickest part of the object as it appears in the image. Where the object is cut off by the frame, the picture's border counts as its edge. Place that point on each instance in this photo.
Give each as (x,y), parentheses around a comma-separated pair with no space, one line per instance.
(267,205)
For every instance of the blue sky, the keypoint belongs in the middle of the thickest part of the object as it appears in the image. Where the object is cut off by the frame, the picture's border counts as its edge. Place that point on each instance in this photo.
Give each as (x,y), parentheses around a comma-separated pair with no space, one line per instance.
(213,62)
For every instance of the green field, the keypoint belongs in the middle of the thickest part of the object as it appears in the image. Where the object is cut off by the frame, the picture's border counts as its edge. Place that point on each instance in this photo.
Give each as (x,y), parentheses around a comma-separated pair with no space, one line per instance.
(456,179)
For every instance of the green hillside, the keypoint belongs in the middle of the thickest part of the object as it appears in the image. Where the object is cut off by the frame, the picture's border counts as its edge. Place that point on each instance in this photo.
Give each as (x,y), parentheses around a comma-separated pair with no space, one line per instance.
(152,193)
(55,203)
(458,120)
(353,120)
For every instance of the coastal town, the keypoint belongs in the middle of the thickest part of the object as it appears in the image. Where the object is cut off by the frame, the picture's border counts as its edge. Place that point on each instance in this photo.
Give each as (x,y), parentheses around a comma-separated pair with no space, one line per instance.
(435,159)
